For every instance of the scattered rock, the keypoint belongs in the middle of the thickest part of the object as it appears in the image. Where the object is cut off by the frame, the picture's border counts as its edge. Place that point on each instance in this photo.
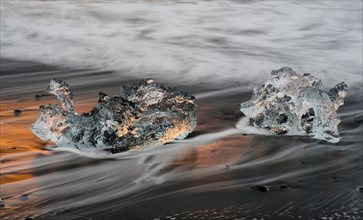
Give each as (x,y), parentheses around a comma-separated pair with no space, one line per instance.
(38,96)
(270,188)
(24,197)
(17,112)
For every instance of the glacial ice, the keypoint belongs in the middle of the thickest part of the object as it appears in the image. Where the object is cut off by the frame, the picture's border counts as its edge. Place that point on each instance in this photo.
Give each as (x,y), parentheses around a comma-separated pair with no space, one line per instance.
(144,115)
(293,104)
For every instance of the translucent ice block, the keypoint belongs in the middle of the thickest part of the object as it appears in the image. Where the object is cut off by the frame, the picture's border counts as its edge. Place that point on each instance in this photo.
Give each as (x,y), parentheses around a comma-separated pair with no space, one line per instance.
(290,103)
(144,115)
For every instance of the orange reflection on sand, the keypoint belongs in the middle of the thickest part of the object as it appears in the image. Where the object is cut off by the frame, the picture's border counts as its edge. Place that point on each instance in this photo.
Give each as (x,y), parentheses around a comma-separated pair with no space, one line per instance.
(225,152)
(16,136)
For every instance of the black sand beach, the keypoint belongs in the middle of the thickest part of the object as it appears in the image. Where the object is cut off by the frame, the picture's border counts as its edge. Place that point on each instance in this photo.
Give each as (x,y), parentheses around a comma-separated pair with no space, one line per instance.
(217,51)
(216,173)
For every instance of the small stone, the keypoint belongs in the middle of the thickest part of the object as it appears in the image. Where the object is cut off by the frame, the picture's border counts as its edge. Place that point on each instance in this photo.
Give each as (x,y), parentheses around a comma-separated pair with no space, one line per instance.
(17,112)
(262,188)
(38,96)
(24,197)
(282,187)
(2,205)
(270,188)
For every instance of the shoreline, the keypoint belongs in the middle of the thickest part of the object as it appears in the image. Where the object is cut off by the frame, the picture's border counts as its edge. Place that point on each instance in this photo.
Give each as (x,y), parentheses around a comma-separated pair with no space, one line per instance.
(190,179)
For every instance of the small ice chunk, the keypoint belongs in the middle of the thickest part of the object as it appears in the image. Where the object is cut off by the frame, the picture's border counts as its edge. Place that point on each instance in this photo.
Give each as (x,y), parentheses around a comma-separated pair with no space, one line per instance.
(144,115)
(293,104)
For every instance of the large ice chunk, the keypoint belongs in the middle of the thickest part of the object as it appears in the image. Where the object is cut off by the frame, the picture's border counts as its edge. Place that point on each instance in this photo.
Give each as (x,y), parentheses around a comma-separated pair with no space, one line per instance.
(144,115)
(295,104)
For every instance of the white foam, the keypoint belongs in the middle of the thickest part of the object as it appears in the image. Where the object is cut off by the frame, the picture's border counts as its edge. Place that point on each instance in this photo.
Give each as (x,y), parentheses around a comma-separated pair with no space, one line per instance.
(208,42)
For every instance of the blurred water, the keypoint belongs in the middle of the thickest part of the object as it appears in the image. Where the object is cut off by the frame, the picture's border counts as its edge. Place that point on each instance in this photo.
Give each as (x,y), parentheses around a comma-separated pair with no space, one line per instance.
(219,43)
(216,50)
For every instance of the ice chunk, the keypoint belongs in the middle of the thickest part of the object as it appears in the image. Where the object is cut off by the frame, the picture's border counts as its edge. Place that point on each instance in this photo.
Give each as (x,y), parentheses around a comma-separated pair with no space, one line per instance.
(144,115)
(293,104)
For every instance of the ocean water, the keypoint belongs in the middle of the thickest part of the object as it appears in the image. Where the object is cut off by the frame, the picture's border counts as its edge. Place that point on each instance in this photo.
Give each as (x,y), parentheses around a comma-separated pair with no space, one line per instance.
(222,43)
(216,50)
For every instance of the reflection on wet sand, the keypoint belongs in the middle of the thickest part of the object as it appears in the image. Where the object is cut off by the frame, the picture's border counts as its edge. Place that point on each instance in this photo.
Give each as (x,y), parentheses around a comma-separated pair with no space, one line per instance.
(226,152)
(220,154)
(17,138)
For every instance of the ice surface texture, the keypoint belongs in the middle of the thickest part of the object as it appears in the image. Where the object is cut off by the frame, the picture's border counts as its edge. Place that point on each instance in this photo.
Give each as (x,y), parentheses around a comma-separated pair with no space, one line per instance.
(293,104)
(144,115)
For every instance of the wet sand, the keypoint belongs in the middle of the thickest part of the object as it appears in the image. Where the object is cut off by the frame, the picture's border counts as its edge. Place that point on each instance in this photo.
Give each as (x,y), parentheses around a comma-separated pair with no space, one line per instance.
(216,173)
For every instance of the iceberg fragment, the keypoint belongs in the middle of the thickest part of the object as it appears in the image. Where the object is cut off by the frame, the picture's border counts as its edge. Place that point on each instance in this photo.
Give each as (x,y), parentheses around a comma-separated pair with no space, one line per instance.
(294,104)
(144,115)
